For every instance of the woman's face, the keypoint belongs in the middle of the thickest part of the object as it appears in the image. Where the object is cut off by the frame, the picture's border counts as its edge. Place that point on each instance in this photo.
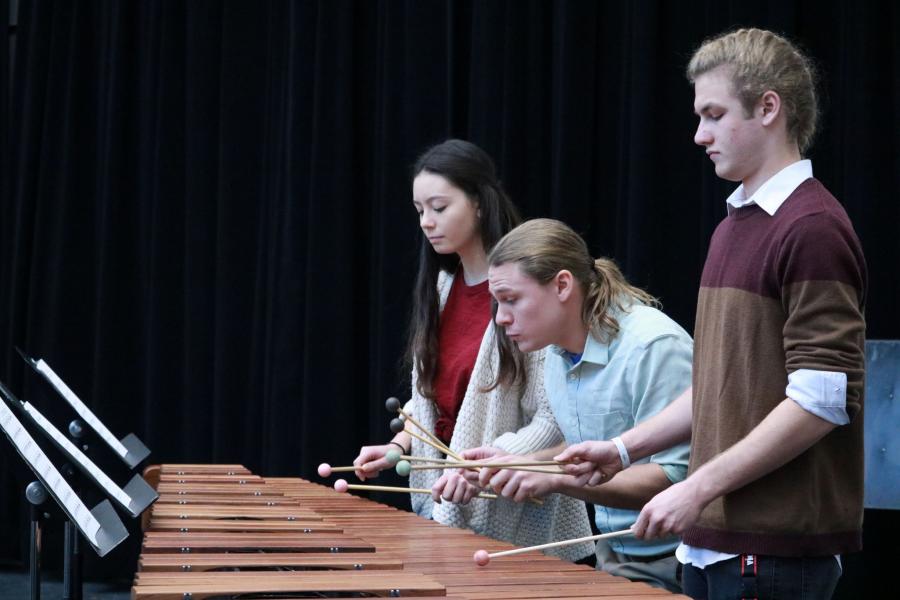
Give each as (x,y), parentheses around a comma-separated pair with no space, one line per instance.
(531,313)
(446,215)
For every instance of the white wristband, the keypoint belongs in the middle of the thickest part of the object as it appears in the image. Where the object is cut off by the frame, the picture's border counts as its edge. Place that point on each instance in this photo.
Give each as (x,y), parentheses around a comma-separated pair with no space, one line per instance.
(623,452)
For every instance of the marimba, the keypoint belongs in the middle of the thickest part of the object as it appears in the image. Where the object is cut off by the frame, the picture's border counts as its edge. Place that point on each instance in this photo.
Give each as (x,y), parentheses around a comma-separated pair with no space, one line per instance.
(218,531)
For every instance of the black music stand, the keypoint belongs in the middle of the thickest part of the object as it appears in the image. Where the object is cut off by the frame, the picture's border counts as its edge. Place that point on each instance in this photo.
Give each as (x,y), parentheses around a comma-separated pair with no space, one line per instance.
(100,526)
(134,498)
(130,449)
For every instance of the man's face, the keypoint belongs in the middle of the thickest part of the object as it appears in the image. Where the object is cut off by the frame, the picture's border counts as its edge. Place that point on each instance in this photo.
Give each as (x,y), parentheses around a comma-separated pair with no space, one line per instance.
(733,141)
(530,313)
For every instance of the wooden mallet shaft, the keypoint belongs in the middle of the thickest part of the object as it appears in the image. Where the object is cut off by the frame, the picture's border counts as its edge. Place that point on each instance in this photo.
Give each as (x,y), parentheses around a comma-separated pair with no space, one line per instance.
(428,442)
(425,459)
(404,490)
(521,466)
(482,557)
(435,441)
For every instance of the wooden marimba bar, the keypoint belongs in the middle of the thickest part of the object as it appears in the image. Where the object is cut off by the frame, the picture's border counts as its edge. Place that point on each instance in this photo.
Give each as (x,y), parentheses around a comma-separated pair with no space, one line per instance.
(218,531)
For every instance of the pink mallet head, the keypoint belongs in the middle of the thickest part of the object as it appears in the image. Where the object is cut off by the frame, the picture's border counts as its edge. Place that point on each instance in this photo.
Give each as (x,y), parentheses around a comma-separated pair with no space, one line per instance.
(341,485)
(482,558)
(324,470)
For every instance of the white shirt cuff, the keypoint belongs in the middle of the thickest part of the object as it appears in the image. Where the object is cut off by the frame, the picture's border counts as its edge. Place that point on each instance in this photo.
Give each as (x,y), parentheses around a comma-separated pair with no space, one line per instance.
(822,393)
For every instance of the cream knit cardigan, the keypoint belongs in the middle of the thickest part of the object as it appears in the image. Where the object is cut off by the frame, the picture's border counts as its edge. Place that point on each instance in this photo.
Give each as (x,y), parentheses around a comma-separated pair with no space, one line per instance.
(517,421)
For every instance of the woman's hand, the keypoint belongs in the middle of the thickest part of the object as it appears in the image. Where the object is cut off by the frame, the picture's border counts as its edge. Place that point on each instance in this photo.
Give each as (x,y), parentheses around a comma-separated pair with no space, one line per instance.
(453,487)
(371,461)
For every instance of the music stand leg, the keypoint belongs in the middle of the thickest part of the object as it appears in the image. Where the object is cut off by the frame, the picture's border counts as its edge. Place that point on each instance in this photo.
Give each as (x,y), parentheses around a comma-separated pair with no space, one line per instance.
(36,494)
(68,568)
(34,562)
(77,572)
(72,558)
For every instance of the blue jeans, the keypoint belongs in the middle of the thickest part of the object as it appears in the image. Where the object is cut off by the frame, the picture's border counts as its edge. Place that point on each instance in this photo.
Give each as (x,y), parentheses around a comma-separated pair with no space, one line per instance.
(777,578)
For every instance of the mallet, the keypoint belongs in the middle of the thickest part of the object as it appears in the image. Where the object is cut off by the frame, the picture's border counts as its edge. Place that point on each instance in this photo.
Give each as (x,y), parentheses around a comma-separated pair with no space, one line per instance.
(342,486)
(483,557)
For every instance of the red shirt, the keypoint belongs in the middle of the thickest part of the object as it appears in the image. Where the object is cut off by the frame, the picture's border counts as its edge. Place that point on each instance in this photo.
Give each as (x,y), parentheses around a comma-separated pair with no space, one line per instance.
(463,321)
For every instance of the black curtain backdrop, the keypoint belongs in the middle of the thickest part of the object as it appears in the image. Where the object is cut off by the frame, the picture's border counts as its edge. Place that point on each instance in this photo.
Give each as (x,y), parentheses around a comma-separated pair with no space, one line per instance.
(207,227)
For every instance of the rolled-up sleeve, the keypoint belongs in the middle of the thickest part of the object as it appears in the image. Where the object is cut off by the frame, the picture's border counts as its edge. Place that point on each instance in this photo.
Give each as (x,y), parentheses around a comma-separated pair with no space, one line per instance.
(822,393)
(823,277)
(662,372)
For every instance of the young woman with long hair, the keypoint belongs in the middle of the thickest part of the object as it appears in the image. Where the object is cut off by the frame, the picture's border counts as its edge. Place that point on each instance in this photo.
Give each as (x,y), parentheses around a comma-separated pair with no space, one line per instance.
(463,211)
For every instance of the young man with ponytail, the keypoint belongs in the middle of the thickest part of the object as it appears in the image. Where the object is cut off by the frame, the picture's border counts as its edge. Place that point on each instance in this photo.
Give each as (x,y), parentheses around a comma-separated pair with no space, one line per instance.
(775,490)
(462,211)
(613,361)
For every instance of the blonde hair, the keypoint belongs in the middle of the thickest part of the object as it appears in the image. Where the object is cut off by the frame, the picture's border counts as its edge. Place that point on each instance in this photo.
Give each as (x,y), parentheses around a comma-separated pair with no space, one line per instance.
(759,61)
(541,248)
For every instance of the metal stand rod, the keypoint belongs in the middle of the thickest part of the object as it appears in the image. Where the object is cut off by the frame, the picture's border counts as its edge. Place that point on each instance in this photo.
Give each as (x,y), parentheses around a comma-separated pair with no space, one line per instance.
(72,548)
(34,563)
(69,533)
(78,570)
(36,495)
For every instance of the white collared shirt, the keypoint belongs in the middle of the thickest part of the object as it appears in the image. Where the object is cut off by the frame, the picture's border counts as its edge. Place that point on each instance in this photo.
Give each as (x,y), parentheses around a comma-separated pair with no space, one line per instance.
(822,393)
(772,194)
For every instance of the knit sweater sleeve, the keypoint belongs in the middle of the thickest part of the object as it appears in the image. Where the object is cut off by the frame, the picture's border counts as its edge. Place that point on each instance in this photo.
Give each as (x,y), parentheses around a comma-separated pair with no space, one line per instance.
(822,279)
(540,430)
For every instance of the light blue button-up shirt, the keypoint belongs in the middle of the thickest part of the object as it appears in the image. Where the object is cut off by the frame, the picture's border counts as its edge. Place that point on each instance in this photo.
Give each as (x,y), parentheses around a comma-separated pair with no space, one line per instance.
(617,385)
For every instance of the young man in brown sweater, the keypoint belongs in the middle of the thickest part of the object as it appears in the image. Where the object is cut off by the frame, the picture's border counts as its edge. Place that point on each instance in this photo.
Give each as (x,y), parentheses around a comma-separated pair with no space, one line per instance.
(775,486)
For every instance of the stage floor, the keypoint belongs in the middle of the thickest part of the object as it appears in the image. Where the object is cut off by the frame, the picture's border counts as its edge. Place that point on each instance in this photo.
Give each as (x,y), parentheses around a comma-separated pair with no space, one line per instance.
(14,585)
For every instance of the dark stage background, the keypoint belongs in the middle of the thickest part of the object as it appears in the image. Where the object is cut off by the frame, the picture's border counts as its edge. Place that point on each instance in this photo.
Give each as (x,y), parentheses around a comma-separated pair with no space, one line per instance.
(207,226)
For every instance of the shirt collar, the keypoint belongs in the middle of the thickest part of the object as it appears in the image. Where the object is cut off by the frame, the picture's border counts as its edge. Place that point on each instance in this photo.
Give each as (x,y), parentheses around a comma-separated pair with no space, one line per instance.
(594,351)
(772,194)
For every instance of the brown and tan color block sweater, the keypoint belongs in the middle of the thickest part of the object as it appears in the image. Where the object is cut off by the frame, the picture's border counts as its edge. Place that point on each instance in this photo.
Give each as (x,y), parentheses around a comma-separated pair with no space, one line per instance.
(781,293)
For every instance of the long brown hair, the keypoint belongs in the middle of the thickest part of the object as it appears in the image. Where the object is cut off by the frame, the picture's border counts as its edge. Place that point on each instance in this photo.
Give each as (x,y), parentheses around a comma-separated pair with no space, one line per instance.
(542,248)
(469,168)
